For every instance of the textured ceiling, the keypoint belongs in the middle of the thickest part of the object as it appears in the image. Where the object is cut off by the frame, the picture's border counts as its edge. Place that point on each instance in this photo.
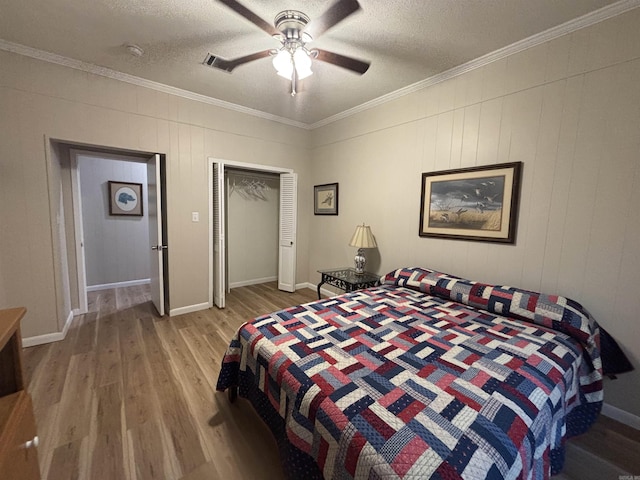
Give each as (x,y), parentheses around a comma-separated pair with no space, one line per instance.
(406,41)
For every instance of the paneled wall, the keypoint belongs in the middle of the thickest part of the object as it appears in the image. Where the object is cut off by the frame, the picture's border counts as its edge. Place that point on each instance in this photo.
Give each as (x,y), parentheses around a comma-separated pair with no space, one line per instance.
(40,101)
(116,247)
(570,110)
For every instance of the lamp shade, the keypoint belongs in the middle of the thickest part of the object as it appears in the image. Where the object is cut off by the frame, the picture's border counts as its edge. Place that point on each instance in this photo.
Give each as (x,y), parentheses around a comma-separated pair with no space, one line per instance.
(363,238)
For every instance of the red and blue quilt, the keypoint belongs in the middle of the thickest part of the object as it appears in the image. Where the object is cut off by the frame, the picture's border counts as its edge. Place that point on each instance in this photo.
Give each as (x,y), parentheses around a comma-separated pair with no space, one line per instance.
(428,376)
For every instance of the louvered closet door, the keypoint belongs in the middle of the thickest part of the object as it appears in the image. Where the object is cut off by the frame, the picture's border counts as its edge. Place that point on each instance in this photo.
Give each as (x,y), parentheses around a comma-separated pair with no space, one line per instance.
(218,236)
(287,248)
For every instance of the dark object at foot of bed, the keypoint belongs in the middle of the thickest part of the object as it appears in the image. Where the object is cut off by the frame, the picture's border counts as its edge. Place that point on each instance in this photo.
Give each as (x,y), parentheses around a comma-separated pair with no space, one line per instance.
(232,392)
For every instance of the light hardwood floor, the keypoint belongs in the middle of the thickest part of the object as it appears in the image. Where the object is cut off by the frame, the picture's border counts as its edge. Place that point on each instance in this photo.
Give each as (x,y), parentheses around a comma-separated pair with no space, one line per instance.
(128,395)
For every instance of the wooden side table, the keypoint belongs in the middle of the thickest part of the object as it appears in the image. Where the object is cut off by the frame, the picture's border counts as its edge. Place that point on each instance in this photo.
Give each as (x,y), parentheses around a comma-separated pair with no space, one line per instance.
(347,279)
(18,438)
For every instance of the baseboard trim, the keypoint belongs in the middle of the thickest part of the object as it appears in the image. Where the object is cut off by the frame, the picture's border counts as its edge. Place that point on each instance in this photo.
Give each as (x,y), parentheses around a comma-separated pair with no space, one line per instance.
(49,337)
(314,287)
(188,309)
(255,281)
(621,416)
(129,283)
(305,285)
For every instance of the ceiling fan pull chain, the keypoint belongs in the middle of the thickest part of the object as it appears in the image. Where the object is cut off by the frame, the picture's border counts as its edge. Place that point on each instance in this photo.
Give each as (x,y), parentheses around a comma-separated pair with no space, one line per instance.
(294,80)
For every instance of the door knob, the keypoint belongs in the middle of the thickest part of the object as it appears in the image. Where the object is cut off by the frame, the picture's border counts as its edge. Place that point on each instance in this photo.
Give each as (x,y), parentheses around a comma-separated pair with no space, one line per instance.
(34,442)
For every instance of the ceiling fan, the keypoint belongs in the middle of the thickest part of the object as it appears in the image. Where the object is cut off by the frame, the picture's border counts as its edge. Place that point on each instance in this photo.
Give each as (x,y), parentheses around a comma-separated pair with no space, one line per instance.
(293,29)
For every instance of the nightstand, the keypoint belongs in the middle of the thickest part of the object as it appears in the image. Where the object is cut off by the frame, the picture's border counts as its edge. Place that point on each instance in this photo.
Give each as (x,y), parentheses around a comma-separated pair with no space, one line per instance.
(18,438)
(347,279)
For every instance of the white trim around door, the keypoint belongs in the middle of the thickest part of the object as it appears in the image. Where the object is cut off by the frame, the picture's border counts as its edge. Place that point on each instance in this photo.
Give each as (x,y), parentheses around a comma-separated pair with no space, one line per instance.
(76,193)
(229,163)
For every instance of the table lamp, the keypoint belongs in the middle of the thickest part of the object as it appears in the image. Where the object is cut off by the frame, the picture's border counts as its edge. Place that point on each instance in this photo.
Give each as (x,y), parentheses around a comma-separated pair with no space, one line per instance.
(362,238)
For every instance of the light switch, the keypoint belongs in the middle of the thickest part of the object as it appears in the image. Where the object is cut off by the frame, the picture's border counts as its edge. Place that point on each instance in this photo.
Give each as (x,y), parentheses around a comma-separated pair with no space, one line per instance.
(195,216)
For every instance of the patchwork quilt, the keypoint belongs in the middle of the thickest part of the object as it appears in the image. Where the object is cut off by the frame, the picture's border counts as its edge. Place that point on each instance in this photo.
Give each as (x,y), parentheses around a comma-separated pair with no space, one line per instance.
(428,376)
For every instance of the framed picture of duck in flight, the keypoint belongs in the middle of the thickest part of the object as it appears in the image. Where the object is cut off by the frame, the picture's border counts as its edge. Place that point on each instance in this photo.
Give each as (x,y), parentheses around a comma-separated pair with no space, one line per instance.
(125,198)
(325,199)
(477,203)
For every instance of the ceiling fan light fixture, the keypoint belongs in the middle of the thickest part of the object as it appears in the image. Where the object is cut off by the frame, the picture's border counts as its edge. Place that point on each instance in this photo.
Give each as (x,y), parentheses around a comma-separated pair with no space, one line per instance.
(302,63)
(293,60)
(283,63)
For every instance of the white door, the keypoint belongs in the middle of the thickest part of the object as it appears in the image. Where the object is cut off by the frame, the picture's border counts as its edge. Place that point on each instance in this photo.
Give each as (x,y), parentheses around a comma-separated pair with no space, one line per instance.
(219,253)
(154,202)
(79,234)
(287,243)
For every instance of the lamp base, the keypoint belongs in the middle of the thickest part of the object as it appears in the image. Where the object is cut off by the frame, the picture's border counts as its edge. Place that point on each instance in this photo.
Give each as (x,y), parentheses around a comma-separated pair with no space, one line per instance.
(360,262)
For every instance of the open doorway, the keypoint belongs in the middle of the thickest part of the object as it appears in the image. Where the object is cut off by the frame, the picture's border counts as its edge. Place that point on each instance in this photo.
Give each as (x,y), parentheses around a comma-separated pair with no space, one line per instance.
(115,242)
(104,248)
(284,231)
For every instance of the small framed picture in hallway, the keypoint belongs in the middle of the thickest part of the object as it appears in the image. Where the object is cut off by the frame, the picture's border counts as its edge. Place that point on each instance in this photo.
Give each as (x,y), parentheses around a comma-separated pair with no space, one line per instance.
(125,198)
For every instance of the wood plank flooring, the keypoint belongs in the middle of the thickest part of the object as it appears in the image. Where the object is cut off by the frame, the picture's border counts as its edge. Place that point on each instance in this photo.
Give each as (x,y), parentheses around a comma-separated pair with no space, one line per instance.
(128,395)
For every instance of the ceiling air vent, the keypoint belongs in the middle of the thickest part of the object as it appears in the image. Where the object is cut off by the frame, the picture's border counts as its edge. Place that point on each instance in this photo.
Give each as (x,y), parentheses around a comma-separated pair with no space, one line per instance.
(216,62)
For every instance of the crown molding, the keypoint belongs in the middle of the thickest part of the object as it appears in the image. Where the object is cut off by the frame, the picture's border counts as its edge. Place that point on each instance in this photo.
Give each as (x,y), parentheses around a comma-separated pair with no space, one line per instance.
(141,82)
(571,26)
(587,20)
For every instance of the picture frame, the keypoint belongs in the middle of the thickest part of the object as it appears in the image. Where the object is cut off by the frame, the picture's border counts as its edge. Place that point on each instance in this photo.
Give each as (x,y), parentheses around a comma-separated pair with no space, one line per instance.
(125,198)
(476,203)
(325,199)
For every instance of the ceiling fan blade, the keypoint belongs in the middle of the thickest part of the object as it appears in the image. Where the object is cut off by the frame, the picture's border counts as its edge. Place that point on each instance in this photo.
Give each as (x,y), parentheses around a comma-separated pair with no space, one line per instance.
(249,15)
(349,63)
(228,65)
(336,13)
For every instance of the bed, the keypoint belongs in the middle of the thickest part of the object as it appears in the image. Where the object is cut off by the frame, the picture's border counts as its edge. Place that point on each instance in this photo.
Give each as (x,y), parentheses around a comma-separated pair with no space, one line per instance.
(426,376)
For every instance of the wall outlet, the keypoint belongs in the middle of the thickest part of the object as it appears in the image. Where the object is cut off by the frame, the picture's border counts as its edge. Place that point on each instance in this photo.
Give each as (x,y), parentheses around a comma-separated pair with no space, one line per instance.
(195,216)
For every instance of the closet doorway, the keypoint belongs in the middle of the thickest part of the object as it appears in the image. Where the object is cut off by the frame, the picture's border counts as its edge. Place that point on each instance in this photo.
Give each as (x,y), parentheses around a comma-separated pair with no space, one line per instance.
(252,200)
(233,187)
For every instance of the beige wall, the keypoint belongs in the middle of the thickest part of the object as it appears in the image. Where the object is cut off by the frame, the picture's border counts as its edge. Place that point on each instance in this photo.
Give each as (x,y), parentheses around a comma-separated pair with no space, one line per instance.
(39,100)
(569,109)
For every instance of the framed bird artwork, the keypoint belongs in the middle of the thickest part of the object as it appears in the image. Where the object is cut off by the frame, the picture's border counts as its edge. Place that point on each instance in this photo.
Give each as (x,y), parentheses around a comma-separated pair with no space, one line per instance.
(325,199)
(477,203)
(125,198)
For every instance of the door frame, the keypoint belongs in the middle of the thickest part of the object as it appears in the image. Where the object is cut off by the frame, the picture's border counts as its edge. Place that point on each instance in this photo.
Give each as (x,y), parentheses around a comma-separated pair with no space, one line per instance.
(232,164)
(76,193)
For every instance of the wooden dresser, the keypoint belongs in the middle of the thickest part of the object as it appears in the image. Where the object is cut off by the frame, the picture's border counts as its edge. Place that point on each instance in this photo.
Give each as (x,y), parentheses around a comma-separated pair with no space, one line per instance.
(18,439)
